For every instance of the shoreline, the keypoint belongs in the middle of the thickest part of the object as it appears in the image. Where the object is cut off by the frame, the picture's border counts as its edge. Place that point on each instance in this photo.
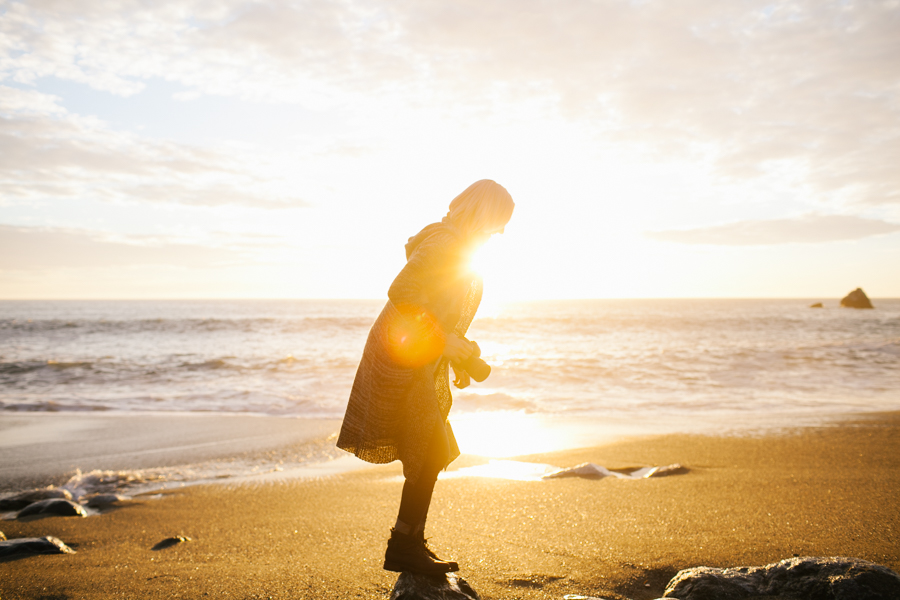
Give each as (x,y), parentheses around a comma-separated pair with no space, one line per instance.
(178,449)
(752,500)
(37,449)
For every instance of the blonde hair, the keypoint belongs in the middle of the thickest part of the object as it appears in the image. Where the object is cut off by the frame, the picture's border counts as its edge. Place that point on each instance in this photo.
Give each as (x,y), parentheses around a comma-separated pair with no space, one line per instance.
(483,206)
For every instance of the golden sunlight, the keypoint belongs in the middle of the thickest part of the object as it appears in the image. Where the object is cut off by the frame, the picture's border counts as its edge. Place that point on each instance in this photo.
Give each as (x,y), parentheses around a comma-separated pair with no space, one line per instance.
(413,337)
(480,260)
(507,433)
(492,264)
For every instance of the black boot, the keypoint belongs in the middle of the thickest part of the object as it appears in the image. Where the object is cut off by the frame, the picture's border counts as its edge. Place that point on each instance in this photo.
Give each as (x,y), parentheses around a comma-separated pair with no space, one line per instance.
(406,553)
(421,537)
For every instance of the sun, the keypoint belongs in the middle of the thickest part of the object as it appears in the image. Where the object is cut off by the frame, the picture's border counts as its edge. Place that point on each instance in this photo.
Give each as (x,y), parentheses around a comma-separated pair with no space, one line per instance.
(480,260)
(492,263)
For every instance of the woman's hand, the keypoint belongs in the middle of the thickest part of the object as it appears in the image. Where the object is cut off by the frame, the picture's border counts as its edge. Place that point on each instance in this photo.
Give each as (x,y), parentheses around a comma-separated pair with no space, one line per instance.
(456,349)
(460,377)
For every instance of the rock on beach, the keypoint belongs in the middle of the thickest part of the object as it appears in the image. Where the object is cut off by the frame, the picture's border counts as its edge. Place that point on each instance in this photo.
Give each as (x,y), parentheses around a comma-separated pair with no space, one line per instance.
(44,545)
(171,541)
(20,501)
(803,578)
(410,586)
(593,471)
(102,500)
(53,506)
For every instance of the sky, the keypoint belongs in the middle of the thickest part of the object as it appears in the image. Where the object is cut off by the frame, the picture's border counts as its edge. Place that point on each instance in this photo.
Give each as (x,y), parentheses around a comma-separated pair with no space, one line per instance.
(654,148)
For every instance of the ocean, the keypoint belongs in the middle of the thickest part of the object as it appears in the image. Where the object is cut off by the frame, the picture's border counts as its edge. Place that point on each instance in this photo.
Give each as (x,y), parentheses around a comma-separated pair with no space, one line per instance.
(693,363)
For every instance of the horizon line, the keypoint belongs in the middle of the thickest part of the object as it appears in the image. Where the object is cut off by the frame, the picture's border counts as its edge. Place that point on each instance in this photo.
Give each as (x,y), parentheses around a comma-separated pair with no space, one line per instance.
(325,299)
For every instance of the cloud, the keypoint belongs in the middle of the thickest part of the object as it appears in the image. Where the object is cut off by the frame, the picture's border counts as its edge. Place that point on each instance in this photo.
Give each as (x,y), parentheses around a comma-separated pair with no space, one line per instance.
(46,152)
(806,86)
(33,248)
(809,230)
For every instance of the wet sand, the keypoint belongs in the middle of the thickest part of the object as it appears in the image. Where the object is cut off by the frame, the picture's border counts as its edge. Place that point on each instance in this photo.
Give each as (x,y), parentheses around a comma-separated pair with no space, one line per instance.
(38,449)
(826,491)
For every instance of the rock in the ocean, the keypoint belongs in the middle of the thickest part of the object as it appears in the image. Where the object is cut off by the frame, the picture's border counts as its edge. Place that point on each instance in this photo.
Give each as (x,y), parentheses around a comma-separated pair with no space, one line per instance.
(20,501)
(432,587)
(805,578)
(54,506)
(44,545)
(816,305)
(169,542)
(856,299)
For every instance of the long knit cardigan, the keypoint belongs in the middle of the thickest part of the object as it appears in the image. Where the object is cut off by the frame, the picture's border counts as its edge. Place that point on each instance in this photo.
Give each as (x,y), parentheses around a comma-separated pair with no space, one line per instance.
(398,410)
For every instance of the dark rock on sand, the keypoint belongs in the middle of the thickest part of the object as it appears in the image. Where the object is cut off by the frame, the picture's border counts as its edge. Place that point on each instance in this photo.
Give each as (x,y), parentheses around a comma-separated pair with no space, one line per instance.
(102,500)
(20,501)
(172,541)
(805,578)
(54,506)
(44,545)
(816,305)
(432,587)
(856,299)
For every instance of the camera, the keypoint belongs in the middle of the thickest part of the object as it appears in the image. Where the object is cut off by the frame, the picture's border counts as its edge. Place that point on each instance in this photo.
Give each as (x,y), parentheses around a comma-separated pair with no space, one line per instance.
(474,366)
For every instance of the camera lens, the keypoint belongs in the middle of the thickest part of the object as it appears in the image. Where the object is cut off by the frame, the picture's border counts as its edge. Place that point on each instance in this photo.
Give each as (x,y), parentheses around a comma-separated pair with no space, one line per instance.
(477,368)
(474,366)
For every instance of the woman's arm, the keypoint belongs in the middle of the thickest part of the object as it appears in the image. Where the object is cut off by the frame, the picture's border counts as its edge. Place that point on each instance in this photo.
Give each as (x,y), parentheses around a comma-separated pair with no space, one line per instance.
(420,280)
(418,287)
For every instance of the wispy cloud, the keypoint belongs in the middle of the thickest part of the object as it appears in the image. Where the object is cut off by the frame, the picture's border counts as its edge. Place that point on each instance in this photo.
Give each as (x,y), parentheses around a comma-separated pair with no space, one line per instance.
(804,230)
(809,86)
(47,152)
(35,248)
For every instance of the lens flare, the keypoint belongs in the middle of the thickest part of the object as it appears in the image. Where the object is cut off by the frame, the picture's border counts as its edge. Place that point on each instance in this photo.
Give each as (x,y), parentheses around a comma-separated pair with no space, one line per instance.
(414,337)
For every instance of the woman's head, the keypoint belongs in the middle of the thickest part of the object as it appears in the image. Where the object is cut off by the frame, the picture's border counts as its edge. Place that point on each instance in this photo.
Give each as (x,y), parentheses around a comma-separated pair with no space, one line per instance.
(485,207)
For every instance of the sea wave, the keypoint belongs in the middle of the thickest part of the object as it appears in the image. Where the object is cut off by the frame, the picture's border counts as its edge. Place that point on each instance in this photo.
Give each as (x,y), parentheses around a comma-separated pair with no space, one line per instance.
(51,406)
(22,367)
(13,327)
(110,365)
(301,358)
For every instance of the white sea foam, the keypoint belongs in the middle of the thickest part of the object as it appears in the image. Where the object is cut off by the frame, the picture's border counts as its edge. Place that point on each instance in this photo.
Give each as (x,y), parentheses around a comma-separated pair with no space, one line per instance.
(81,485)
(100,489)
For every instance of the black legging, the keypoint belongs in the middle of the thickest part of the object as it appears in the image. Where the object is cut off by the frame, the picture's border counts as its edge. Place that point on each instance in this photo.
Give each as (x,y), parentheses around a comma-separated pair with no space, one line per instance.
(416,496)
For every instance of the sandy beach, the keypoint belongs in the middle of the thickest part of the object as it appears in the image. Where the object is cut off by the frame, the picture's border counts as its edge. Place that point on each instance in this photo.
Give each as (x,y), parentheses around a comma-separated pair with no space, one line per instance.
(751,500)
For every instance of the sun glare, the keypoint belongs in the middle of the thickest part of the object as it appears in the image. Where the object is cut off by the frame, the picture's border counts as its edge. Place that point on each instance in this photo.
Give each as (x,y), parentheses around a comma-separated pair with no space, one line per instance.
(505,434)
(480,261)
(490,262)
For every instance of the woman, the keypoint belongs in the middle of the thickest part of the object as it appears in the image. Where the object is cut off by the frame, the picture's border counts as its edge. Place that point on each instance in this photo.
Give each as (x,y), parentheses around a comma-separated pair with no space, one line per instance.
(400,398)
